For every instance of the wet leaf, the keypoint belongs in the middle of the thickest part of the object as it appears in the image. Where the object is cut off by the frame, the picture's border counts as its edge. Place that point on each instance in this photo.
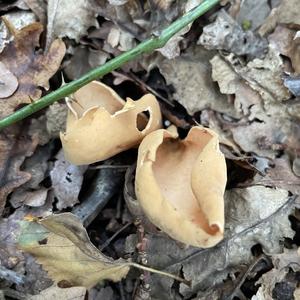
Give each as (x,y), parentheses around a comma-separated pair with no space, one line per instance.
(61,244)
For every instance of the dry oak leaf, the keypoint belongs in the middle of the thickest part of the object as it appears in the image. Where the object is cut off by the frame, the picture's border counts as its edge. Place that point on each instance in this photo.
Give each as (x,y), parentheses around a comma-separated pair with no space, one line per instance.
(184,179)
(61,244)
(32,69)
(15,146)
(100,124)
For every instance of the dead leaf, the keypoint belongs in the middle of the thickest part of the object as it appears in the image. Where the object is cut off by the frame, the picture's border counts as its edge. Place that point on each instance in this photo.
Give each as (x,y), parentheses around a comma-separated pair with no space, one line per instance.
(61,244)
(284,40)
(39,8)
(83,60)
(286,13)
(255,215)
(293,84)
(270,126)
(195,90)
(282,263)
(8,82)
(56,115)
(54,292)
(66,181)
(13,149)
(253,11)
(226,34)
(169,170)
(32,70)
(18,19)
(11,256)
(280,176)
(70,18)
(30,198)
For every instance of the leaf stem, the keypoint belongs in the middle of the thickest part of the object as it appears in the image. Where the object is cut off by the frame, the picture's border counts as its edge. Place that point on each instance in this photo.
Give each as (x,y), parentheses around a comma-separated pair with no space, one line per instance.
(145,47)
(180,279)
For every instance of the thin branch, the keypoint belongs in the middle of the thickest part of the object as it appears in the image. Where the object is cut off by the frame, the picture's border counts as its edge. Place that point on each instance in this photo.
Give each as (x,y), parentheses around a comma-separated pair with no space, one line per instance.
(145,47)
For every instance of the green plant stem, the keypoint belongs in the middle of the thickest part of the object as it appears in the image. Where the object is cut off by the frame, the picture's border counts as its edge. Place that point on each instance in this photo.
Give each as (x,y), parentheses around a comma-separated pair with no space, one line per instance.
(145,47)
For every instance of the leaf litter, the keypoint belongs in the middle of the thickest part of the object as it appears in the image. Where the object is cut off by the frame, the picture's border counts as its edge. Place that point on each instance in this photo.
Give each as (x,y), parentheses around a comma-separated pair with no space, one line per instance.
(235,70)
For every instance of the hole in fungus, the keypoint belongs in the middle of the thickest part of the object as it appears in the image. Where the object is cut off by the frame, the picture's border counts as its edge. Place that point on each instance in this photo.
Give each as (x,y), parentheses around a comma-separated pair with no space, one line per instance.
(142,120)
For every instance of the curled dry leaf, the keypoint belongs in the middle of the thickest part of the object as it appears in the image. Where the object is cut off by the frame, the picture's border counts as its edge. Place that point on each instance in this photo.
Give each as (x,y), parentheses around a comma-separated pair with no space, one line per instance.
(100,124)
(183,182)
(61,244)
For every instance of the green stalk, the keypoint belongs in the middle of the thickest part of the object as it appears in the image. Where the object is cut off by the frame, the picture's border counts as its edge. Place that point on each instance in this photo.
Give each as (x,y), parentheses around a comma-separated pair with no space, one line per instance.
(145,47)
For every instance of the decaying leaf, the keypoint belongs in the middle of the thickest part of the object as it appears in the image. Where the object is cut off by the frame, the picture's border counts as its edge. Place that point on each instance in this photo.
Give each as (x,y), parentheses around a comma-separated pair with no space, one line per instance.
(280,176)
(66,181)
(186,180)
(226,34)
(13,149)
(100,124)
(83,60)
(61,244)
(32,70)
(259,9)
(70,18)
(195,90)
(286,13)
(287,43)
(18,19)
(260,94)
(255,215)
(282,263)
(8,82)
(54,292)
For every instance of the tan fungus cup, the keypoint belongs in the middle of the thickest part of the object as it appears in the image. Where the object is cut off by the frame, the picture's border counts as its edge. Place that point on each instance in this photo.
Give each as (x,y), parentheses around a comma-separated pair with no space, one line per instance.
(180,185)
(100,124)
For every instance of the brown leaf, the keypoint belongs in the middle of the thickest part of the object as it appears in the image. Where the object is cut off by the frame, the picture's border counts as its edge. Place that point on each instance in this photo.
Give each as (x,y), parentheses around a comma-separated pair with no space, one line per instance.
(190,75)
(288,12)
(61,244)
(280,176)
(8,82)
(284,40)
(31,68)
(13,149)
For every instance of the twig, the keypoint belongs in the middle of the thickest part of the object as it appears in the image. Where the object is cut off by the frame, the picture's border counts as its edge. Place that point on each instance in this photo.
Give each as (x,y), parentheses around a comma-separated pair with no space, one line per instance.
(145,47)
(100,191)
(11,276)
(107,242)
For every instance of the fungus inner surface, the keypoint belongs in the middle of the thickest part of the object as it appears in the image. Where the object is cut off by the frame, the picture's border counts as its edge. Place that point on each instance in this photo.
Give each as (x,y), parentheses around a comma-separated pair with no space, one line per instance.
(175,160)
(95,95)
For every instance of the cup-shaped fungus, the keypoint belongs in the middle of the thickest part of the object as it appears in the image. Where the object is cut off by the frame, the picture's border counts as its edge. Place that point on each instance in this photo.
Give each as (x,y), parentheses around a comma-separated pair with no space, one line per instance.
(100,124)
(180,185)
